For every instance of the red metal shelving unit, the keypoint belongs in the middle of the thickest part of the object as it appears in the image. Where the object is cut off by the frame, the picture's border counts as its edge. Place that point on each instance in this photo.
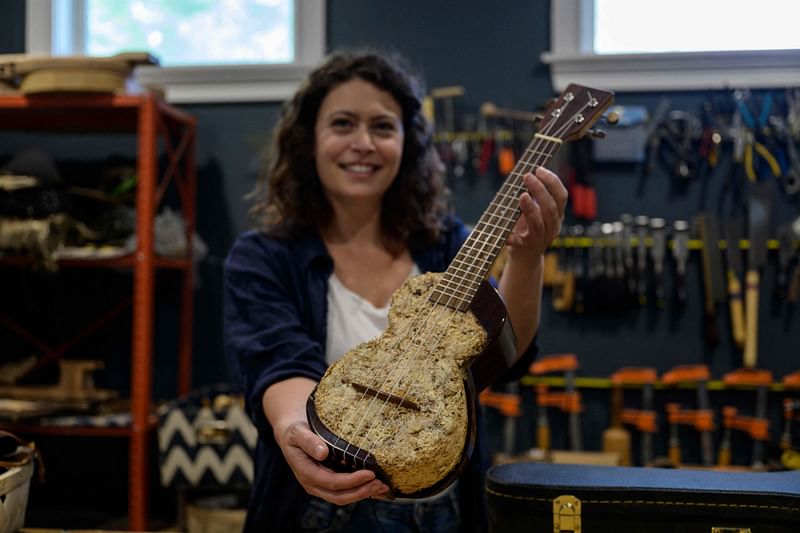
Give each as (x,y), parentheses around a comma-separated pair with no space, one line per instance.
(160,130)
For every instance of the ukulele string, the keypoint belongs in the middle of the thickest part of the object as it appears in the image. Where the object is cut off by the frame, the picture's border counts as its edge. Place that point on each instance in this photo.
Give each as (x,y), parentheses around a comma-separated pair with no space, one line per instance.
(536,157)
(462,280)
(403,357)
(507,201)
(380,370)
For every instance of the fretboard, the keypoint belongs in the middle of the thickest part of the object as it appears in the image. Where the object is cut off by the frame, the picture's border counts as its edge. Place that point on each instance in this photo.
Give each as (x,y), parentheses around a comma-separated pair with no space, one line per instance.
(471,264)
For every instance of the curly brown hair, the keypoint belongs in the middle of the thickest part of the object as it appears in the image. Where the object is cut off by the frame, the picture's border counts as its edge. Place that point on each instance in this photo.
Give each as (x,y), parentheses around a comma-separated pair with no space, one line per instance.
(289,200)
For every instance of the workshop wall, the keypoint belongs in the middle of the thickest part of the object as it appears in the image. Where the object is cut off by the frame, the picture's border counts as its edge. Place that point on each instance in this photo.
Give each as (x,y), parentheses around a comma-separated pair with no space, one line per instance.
(493,52)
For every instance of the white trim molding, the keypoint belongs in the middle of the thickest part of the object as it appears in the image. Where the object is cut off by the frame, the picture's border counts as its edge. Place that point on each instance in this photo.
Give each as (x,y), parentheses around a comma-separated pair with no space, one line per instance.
(571,60)
(209,84)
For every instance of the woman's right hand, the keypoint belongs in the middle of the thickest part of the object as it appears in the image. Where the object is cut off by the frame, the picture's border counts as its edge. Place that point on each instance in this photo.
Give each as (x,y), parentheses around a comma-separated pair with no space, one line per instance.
(304,451)
(284,405)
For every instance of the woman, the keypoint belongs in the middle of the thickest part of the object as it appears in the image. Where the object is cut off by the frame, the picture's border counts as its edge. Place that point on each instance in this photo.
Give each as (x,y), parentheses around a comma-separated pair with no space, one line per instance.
(354,205)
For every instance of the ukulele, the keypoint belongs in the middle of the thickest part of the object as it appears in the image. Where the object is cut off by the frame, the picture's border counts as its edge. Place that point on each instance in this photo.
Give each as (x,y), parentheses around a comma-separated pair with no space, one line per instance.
(403,404)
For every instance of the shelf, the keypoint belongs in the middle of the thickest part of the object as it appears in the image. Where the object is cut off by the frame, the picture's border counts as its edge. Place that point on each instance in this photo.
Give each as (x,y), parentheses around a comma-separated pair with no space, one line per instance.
(605,383)
(125,261)
(691,244)
(75,431)
(81,112)
(158,131)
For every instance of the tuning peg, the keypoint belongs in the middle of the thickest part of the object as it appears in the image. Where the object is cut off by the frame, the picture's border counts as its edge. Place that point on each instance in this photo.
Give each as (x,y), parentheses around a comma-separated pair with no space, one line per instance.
(611,118)
(594,133)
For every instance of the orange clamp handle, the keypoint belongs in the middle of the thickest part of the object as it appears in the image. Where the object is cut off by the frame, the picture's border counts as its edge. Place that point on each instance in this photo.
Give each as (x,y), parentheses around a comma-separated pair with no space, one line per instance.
(569,402)
(701,419)
(631,374)
(757,428)
(755,377)
(792,380)
(644,421)
(554,363)
(508,404)
(684,373)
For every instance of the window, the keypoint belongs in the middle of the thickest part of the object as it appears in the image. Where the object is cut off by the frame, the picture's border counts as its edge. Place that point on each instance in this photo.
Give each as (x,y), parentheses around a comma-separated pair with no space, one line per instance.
(233,50)
(591,44)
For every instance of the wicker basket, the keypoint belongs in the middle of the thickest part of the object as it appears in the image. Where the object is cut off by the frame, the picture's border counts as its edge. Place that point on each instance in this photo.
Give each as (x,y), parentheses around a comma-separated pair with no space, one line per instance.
(14,485)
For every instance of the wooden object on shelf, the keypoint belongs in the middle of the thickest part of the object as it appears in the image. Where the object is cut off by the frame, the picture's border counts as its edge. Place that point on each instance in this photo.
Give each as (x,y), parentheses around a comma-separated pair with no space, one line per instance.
(159,130)
(39,74)
(75,387)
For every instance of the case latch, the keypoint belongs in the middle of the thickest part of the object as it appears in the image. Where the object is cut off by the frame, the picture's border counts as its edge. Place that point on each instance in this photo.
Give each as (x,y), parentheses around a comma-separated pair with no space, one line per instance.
(566,514)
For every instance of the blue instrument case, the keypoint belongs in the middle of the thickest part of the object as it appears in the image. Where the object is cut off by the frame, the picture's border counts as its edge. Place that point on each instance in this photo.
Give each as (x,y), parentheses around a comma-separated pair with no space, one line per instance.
(605,499)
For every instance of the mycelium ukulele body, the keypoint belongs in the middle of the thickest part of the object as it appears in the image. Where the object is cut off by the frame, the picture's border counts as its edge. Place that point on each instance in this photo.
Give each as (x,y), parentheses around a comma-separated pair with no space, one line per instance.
(403,404)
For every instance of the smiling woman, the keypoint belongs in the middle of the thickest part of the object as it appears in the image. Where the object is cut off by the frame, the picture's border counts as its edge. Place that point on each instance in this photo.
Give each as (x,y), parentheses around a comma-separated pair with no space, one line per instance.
(352,206)
(359,143)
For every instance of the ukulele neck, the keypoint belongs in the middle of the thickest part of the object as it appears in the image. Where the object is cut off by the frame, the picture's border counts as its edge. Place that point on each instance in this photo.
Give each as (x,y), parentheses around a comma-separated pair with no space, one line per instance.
(471,264)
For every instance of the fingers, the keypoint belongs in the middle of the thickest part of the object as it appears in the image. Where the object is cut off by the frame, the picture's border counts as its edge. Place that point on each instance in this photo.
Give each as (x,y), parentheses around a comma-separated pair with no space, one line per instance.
(555,187)
(342,489)
(547,197)
(304,450)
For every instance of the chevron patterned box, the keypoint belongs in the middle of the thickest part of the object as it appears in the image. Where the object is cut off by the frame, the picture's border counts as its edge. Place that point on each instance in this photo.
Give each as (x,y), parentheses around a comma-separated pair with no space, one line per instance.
(206,439)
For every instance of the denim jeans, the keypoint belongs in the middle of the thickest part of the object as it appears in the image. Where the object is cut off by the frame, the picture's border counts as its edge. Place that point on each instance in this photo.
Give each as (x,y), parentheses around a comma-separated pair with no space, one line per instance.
(439,515)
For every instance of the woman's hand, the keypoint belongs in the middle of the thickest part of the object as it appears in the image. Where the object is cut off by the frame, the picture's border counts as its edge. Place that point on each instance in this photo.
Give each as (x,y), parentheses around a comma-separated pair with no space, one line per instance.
(542,214)
(284,406)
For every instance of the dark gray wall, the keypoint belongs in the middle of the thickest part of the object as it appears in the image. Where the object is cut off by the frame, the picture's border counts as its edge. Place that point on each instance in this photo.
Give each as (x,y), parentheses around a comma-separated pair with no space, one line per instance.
(492,50)
(12,23)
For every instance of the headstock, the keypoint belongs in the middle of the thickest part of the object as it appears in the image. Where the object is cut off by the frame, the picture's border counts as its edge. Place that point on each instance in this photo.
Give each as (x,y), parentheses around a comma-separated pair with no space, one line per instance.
(577,109)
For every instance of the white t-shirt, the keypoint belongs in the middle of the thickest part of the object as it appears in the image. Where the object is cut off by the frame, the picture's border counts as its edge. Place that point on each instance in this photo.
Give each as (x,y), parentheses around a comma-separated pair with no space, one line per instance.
(352,319)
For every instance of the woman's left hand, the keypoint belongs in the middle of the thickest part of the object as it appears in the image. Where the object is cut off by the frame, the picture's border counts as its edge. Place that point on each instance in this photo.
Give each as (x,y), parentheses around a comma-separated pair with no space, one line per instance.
(542,214)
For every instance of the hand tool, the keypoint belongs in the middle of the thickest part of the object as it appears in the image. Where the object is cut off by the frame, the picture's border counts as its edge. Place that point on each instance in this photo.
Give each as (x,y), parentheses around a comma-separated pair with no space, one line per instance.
(680,251)
(570,400)
(756,428)
(785,254)
(644,419)
(758,425)
(627,247)
(564,279)
(791,406)
(657,253)
(642,225)
(578,269)
(724,455)
(616,438)
(508,404)
(702,419)
(446,128)
(759,221)
(708,232)
(733,255)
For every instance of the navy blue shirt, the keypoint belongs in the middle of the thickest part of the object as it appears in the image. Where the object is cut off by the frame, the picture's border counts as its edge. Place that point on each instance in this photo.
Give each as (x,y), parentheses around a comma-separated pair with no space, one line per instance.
(275,322)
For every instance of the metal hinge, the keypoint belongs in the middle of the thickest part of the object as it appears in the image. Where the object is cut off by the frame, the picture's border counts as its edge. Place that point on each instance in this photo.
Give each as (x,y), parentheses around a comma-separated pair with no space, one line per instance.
(566,514)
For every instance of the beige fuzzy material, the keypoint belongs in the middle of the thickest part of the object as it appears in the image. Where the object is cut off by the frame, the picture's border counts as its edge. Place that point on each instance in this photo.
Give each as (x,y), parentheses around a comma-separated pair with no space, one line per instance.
(422,357)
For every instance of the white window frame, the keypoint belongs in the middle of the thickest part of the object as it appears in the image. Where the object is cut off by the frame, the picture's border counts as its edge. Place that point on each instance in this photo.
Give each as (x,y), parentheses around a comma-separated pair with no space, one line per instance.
(572,60)
(185,84)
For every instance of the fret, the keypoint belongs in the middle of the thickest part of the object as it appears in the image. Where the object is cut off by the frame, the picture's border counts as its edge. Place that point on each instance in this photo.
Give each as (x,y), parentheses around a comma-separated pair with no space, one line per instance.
(532,152)
(498,219)
(484,254)
(465,271)
(456,289)
(472,262)
(485,259)
(440,298)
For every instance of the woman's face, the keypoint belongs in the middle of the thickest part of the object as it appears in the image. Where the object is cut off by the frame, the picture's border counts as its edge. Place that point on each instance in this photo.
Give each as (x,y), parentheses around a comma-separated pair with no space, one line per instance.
(358,141)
